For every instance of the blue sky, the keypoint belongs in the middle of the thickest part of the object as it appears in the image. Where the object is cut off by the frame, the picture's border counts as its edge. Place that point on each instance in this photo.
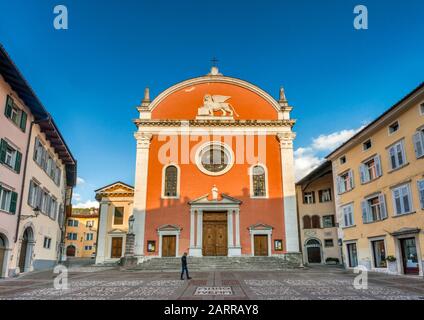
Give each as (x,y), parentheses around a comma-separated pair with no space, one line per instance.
(91,76)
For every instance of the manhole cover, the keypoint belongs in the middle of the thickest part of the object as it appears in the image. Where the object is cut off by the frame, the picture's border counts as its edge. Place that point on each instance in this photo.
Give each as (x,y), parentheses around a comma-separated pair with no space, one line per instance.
(213,291)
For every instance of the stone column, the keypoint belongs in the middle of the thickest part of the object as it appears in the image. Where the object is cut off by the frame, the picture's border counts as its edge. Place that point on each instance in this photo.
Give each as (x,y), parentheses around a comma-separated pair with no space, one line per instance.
(196,250)
(230,228)
(102,238)
(234,249)
(192,226)
(289,191)
(238,228)
(140,190)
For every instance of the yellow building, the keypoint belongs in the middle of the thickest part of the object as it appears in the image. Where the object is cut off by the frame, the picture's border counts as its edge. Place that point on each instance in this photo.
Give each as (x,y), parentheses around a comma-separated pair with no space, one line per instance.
(116,207)
(379,185)
(316,210)
(81,233)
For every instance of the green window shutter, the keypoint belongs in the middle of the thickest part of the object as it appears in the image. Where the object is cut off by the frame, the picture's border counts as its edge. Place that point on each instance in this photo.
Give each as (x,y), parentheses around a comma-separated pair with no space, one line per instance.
(23,120)
(13,202)
(9,106)
(18,161)
(3,148)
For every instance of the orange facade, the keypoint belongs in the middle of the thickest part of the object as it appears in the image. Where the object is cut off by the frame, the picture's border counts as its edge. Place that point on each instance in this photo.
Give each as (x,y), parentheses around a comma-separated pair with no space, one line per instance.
(255,130)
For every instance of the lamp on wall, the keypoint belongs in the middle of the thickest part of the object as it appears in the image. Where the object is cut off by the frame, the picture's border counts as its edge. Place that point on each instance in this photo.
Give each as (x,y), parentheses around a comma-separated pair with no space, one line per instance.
(36,213)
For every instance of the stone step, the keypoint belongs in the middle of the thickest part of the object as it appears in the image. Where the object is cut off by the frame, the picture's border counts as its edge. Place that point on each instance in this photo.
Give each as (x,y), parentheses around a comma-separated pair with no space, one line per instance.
(215,263)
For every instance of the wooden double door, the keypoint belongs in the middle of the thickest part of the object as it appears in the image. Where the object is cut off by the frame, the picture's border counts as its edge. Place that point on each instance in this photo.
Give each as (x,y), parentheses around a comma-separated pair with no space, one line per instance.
(169,246)
(215,234)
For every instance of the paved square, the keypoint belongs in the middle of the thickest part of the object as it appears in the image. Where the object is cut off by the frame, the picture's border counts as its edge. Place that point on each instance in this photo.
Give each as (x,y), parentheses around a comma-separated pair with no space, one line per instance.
(318,283)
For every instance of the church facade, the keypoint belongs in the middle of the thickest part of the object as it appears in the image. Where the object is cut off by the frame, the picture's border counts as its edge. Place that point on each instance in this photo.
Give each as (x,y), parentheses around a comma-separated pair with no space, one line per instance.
(214,175)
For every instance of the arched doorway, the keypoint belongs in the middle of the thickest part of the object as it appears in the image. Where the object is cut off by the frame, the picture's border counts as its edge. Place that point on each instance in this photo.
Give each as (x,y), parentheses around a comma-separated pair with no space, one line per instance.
(26,250)
(3,259)
(70,251)
(313,249)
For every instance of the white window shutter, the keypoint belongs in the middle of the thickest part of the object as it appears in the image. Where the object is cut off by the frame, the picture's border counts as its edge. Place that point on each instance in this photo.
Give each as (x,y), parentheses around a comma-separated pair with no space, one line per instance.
(339,188)
(364,205)
(421,192)
(377,161)
(419,144)
(362,173)
(383,208)
(352,184)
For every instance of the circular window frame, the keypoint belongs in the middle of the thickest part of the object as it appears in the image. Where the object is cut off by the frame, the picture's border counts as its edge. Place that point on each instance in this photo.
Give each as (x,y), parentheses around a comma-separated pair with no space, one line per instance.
(228,151)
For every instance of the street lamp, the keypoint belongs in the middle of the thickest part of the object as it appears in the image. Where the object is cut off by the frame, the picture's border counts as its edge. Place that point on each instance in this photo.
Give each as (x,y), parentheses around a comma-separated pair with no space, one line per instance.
(36,213)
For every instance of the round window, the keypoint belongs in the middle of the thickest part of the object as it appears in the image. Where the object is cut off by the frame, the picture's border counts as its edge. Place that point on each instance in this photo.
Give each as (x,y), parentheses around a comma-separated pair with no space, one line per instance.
(214,158)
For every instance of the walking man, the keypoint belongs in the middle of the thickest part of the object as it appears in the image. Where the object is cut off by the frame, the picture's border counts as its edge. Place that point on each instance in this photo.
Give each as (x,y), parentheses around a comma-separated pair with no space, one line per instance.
(184,266)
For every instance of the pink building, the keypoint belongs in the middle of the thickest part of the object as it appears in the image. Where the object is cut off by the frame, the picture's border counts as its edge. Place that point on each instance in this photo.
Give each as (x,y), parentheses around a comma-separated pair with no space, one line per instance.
(25,123)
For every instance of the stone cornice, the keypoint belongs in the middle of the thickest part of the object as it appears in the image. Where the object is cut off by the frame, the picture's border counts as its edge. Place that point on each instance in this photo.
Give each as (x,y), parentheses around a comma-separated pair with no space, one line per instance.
(213,123)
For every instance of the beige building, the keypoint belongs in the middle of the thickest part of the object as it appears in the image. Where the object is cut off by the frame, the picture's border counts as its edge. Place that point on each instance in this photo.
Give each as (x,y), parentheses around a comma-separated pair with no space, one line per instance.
(116,205)
(316,210)
(37,174)
(379,182)
(81,233)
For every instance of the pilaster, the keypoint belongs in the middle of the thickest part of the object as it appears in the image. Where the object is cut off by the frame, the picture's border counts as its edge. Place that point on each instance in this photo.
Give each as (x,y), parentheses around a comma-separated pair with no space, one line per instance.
(289,191)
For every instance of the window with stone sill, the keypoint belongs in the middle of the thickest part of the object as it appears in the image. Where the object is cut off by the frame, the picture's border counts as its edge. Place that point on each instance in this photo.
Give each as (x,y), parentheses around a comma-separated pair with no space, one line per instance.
(402,199)
(171,181)
(328,221)
(47,243)
(374,209)
(370,169)
(367,145)
(309,197)
(397,155)
(324,195)
(8,200)
(328,243)
(345,182)
(348,219)
(258,181)
(394,127)
(118,218)
(9,156)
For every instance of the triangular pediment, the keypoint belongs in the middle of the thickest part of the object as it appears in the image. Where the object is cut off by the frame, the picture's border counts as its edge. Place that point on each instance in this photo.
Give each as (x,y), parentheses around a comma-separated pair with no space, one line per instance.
(117,188)
(260,226)
(117,231)
(169,227)
(224,200)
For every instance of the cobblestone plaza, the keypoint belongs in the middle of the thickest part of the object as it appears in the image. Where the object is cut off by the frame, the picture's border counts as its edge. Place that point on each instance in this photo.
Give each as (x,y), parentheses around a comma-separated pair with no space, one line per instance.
(110,283)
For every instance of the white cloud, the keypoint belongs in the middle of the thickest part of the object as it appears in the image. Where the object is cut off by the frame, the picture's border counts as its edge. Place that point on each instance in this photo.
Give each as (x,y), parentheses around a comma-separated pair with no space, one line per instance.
(80,180)
(308,158)
(305,160)
(333,140)
(86,204)
(76,197)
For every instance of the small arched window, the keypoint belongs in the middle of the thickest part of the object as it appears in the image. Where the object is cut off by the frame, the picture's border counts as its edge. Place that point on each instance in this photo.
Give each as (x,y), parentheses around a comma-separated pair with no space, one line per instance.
(258,181)
(171,181)
(316,222)
(307,222)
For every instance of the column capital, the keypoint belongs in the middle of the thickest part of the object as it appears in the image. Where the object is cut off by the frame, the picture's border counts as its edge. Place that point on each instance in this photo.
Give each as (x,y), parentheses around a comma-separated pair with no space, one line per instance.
(286,139)
(143,140)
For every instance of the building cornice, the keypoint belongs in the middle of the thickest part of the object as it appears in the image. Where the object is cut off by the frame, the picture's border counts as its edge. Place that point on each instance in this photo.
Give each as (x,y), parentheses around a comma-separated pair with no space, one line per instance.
(383,120)
(213,123)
